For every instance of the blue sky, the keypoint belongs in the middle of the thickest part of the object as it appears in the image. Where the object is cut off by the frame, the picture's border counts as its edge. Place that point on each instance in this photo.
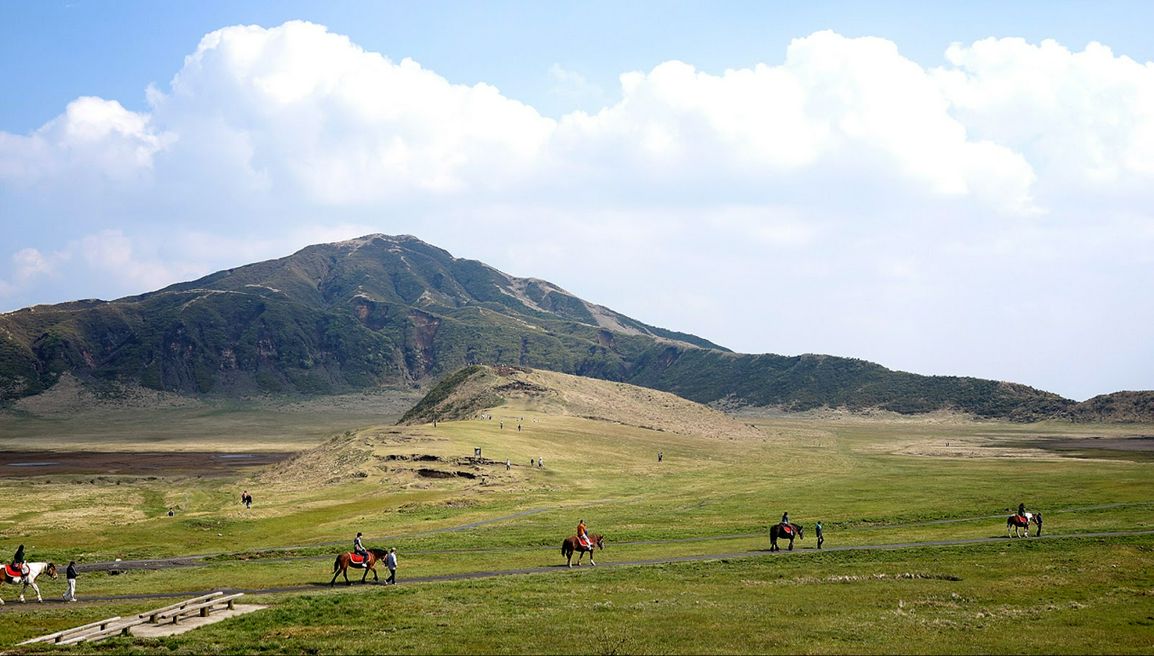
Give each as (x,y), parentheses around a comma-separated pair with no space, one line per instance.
(945,189)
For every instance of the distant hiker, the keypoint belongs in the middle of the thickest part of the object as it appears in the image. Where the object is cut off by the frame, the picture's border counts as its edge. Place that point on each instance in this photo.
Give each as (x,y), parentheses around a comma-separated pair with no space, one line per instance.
(70,593)
(244,497)
(508,465)
(820,539)
(540,462)
(502,426)
(391,563)
(1038,521)
(518,428)
(359,548)
(660,455)
(248,500)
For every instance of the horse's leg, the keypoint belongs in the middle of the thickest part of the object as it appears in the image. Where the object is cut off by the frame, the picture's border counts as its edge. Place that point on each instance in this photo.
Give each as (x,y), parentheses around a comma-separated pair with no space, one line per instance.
(791,543)
(37,589)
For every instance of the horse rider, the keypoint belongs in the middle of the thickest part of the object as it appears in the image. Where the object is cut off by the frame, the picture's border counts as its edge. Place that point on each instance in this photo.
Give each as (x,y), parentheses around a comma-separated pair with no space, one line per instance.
(1022,510)
(18,561)
(582,535)
(359,549)
(785,523)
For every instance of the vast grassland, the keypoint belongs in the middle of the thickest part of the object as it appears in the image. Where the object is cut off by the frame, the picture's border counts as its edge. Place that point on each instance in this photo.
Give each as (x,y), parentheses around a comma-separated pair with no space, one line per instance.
(905,483)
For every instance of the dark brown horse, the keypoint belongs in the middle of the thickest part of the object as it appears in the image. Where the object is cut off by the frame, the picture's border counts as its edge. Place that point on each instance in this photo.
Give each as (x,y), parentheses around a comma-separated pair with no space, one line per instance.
(345,561)
(778,531)
(572,545)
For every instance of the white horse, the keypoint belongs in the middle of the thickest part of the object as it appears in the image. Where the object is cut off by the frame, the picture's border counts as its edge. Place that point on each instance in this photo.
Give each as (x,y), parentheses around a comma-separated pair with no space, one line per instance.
(29,579)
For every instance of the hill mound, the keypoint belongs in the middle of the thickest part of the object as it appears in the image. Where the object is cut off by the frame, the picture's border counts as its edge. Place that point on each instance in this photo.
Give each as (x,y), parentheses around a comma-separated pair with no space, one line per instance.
(473,390)
(1121,407)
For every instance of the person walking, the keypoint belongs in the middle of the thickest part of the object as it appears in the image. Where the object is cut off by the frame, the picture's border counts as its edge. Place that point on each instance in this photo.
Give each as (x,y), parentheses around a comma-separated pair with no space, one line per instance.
(391,563)
(70,593)
(820,539)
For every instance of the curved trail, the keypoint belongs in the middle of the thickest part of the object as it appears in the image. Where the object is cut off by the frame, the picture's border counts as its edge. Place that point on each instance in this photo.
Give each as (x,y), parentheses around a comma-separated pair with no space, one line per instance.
(758,553)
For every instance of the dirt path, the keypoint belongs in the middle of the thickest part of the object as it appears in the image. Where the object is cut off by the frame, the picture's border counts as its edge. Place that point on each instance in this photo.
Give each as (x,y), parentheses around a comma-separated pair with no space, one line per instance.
(462,576)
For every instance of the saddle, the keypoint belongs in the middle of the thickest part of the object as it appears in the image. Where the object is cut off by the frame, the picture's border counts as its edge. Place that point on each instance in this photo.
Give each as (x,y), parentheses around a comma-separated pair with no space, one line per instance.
(13,572)
(786,528)
(356,560)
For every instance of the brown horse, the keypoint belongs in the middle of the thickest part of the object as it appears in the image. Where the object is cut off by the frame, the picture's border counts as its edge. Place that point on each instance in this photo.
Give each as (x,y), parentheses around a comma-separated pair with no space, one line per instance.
(571,544)
(345,561)
(778,531)
(1021,524)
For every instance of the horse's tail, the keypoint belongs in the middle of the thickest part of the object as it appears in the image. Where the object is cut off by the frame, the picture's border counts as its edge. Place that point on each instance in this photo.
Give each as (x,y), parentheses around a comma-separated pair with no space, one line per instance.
(337,564)
(566,548)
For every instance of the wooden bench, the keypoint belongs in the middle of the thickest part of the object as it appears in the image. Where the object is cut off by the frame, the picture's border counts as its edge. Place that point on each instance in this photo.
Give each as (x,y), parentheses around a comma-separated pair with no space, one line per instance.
(202,606)
(61,636)
(154,616)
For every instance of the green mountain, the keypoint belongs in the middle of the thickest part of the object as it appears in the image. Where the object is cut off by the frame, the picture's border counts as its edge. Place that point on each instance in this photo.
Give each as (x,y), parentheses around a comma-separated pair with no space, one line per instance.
(382,311)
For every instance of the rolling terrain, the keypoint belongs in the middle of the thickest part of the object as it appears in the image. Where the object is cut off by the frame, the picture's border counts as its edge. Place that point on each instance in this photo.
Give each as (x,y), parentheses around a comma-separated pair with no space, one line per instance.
(914,512)
(382,312)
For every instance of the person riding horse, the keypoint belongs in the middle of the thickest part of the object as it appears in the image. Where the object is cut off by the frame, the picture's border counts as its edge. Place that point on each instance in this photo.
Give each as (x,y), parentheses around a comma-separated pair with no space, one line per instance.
(582,535)
(785,523)
(359,549)
(18,561)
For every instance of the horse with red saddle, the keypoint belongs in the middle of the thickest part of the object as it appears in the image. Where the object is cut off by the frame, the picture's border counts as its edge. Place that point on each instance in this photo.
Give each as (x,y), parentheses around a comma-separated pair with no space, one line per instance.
(27,577)
(1019,523)
(789,530)
(575,545)
(350,559)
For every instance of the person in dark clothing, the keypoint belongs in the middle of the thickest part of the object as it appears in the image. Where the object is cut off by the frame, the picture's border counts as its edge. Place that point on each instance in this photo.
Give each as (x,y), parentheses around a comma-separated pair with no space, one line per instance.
(820,539)
(18,561)
(70,594)
(359,548)
(1022,509)
(1038,521)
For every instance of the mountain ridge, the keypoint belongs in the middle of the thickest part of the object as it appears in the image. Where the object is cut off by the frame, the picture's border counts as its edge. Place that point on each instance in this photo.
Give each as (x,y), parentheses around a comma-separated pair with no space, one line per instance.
(384,310)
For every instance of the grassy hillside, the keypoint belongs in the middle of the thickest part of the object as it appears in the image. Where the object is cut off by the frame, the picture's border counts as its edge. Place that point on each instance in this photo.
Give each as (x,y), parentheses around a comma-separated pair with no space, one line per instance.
(418,487)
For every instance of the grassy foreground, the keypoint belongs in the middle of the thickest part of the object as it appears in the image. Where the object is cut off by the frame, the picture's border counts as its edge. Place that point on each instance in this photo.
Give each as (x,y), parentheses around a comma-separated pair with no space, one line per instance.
(870,482)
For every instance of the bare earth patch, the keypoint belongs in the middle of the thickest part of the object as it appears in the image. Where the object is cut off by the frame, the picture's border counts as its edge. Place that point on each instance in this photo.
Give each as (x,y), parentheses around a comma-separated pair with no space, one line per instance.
(23,464)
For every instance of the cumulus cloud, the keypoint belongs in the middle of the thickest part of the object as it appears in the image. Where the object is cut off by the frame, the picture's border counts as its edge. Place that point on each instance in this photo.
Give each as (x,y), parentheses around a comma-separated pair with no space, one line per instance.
(844,178)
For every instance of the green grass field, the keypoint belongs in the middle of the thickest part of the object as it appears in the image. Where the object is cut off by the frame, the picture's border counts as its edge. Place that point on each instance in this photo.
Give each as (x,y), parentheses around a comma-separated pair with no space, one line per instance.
(871,482)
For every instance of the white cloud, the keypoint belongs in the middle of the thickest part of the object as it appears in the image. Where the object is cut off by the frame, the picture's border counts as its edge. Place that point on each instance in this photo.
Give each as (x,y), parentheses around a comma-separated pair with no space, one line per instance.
(1086,119)
(887,205)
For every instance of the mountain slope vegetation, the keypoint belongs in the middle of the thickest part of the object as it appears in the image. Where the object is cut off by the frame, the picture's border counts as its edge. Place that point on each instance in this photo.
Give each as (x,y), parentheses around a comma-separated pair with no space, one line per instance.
(381,311)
